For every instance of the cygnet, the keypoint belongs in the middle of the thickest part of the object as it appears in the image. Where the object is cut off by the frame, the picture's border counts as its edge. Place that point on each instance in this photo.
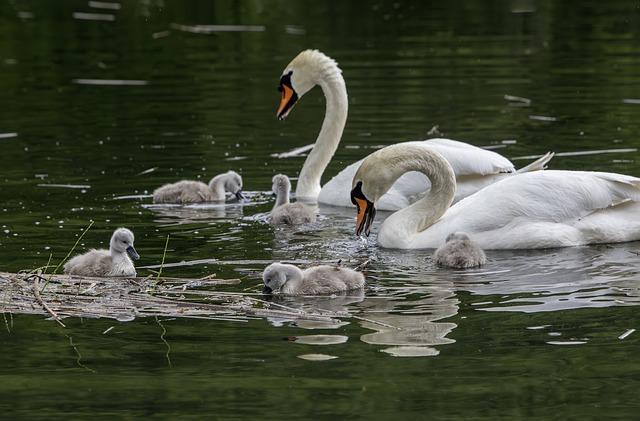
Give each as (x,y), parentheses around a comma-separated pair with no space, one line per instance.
(285,213)
(280,278)
(459,252)
(186,191)
(106,263)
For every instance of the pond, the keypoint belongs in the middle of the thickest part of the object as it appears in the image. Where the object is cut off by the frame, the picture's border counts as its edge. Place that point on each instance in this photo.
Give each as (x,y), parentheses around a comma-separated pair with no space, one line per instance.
(103,102)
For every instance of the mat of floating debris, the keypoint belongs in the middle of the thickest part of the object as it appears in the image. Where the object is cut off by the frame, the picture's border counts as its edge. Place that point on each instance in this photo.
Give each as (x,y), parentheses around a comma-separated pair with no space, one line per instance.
(126,299)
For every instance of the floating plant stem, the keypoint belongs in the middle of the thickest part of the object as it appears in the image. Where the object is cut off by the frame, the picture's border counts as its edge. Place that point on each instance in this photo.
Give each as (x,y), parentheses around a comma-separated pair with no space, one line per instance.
(55,271)
(164,255)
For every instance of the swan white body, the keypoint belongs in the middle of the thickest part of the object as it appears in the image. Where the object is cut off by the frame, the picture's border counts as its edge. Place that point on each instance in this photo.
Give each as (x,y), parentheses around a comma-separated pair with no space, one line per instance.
(186,191)
(284,212)
(107,263)
(539,209)
(474,167)
(459,252)
(317,280)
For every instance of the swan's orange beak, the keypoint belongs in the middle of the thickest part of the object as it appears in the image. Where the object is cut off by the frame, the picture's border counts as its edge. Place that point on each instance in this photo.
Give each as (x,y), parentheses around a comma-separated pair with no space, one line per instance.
(288,100)
(366,212)
(361,216)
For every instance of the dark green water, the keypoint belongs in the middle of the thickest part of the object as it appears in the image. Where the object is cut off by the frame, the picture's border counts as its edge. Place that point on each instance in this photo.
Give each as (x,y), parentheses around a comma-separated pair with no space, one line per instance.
(532,334)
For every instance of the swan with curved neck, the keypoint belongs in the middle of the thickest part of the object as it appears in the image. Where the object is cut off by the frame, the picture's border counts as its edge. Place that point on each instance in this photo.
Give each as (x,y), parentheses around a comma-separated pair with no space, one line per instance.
(474,167)
(308,69)
(540,209)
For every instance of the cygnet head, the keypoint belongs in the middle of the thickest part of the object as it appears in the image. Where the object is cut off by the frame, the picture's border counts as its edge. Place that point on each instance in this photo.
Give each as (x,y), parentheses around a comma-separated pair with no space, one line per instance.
(457,236)
(304,72)
(281,184)
(232,183)
(122,242)
(277,274)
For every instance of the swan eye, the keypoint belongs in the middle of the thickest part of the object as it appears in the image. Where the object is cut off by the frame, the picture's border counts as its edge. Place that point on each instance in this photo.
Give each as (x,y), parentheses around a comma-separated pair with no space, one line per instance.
(268,280)
(356,193)
(286,80)
(280,89)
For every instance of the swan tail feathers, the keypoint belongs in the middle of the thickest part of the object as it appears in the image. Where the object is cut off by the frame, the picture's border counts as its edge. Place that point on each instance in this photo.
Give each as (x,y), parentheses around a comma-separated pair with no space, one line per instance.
(537,165)
(628,188)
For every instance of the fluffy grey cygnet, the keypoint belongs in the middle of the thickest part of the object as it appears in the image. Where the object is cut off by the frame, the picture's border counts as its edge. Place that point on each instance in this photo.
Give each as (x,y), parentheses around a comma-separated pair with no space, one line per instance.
(285,213)
(459,252)
(280,278)
(113,262)
(186,191)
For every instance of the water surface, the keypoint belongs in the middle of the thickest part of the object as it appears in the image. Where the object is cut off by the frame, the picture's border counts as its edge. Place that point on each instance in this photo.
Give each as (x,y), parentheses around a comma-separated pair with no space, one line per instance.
(102,105)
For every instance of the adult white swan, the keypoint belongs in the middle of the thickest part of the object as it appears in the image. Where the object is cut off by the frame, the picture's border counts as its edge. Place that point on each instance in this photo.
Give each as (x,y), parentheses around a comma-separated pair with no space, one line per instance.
(474,167)
(534,210)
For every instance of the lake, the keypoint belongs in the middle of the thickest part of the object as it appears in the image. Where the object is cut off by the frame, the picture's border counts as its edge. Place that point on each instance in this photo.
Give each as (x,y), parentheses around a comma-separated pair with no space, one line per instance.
(103,102)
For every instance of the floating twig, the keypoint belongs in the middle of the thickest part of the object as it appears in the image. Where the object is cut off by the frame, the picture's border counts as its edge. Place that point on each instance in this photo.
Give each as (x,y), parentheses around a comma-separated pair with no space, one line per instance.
(36,292)
(362,265)
(626,334)
(164,255)
(294,152)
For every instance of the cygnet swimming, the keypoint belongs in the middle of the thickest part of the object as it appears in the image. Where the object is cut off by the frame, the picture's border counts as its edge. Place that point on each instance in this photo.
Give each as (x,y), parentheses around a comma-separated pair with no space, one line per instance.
(287,213)
(113,262)
(459,252)
(280,278)
(186,191)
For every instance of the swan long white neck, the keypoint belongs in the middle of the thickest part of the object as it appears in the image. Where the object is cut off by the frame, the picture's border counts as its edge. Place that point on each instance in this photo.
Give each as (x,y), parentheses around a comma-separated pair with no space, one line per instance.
(337,105)
(399,229)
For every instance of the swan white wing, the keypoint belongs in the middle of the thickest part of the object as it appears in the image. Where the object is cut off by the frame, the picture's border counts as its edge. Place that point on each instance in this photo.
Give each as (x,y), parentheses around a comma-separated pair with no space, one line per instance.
(544,209)
(474,167)
(337,192)
(466,159)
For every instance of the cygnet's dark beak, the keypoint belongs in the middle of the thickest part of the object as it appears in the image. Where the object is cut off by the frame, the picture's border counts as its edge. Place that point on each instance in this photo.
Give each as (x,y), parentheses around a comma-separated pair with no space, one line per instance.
(132,253)
(239,195)
(266,290)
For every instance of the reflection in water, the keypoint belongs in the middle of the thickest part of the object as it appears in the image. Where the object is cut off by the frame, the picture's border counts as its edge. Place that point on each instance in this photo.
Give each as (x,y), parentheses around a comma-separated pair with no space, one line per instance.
(321,339)
(408,297)
(398,320)
(561,279)
(317,357)
(566,342)
(412,351)
(170,214)
(335,304)
(210,29)
(407,322)
(103,103)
